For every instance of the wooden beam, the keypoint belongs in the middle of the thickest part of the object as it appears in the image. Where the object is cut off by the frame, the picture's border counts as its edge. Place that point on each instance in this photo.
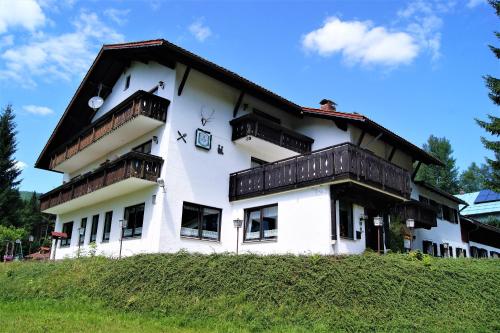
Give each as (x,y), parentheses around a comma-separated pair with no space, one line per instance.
(183,81)
(391,154)
(341,124)
(238,104)
(416,170)
(360,139)
(373,140)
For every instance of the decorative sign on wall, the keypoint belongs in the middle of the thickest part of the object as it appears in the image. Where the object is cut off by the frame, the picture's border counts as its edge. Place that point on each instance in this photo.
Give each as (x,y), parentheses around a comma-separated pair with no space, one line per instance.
(203,139)
(182,136)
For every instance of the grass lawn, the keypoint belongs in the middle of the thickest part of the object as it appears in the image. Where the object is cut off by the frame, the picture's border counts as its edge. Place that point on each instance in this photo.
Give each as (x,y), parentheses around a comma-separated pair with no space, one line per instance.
(65,316)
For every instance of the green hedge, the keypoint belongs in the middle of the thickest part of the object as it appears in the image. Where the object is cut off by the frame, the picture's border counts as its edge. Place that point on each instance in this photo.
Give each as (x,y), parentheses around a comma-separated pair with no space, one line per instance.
(281,293)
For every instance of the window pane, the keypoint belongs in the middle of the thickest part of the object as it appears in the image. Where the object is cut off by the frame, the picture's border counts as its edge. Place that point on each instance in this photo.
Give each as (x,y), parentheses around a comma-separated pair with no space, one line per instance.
(253,225)
(93,231)
(270,222)
(210,223)
(67,228)
(190,223)
(139,220)
(107,226)
(83,225)
(345,217)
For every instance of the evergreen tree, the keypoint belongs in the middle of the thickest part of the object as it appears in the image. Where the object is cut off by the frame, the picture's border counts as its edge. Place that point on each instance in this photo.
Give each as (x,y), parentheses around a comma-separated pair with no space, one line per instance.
(474,178)
(492,125)
(30,215)
(445,178)
(10,201)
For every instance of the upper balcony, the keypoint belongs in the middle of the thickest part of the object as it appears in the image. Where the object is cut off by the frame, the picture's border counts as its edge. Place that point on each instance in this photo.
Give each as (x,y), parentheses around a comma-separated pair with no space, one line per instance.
(129,173)
(135,116)
(259,134)
(340,163)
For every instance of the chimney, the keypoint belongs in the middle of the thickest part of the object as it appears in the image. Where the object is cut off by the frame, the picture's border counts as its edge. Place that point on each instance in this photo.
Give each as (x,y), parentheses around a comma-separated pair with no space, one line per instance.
(328,105)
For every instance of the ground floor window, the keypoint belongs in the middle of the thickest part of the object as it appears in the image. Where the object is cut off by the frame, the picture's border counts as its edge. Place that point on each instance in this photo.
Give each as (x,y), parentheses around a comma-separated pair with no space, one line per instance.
(93,229)
(67,228)
(346,219)
(108,217)
(134,215)
(261,223)
(460,253)
(200,221)
(83,227)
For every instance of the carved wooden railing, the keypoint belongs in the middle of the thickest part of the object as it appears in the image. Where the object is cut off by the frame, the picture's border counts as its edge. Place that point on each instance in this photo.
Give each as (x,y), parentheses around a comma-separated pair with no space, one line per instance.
(265,129)
(322,166)
(133,164)
(139,103)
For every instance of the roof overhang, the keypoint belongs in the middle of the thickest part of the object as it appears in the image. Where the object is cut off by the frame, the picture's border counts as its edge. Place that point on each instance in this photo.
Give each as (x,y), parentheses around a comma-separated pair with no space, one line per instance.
(440,192)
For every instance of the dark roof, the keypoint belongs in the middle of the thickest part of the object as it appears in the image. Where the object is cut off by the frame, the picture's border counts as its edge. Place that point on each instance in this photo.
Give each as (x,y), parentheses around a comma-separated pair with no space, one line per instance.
(113,59)
(487,196)
(440,192)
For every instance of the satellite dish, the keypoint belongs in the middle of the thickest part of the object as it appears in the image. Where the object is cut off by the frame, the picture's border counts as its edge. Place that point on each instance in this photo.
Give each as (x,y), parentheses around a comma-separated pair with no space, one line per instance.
(96,102)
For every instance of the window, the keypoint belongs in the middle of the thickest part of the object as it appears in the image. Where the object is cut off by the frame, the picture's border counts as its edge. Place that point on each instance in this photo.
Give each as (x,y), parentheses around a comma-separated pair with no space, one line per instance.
(346,219)
(423,199)
(134,216)
(255,162)
(83,225)
(261,223)
(438,208)
(93,229)
(127,82)
(144,148)
(450,214)
(435,249)
(460,253)
(200,221)
(427,247)
(107,226)
(68,229)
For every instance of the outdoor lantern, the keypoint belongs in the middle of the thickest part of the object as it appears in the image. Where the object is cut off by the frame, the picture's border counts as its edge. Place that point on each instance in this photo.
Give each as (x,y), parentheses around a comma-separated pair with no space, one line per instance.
(238,223)
(18,241)
(410,223)
(378,221)
(445,245)
(31,238)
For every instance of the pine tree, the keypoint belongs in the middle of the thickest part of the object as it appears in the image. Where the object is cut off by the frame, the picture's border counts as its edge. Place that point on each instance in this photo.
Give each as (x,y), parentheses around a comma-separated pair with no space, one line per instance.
(31,215)
(445,178)
(474,178)
(492,125)
(10,201)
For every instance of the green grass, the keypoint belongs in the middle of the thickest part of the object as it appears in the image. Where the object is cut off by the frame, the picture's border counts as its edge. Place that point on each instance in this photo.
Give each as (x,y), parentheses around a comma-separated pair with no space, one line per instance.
(248,293)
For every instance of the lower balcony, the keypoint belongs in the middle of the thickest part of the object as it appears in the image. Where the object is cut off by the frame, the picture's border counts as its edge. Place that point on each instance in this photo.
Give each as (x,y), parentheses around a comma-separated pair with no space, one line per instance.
(129,173)
(424,215)
(336,164)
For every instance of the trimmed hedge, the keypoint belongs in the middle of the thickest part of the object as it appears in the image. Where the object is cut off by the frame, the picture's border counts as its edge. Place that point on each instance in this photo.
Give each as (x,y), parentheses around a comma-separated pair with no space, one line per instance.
(224,292)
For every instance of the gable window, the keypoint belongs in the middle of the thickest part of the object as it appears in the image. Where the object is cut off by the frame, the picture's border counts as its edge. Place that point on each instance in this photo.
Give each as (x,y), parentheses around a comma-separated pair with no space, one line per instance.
(83,225)
(134,215)
(346,219)
(93,228)
(261,223)
(127,82)
(68,229)
(107,226)
(255,162)
(144,148)
(200,222)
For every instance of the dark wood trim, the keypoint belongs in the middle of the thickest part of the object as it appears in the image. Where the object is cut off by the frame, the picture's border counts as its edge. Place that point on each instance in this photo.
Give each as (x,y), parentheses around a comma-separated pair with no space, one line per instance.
(238,104)
(341,124)
(391,154)
(360,139)
(183,81)
(375,139)
(414,174)
(333,212)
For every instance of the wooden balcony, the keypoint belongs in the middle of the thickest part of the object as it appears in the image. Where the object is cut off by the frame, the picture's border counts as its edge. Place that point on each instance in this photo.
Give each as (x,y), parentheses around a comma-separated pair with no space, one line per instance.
(424,215)
(129,173)
(268,131)
(134,117)
(340,163)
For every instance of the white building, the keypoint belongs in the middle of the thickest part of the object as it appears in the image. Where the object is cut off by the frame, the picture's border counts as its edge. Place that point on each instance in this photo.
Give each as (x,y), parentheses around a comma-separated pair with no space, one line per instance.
(182,147)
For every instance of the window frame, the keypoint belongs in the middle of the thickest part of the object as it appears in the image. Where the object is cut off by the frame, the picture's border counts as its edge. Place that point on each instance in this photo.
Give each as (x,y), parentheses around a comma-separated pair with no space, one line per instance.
(93,231)
(66,242)
(351,205)
(81,238)
(200,221)
(133,234)
(107,223)
(261,238)
(140,148)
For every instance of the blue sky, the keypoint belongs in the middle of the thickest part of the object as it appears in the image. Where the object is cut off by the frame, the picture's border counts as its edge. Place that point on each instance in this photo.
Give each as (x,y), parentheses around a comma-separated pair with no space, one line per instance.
(415,67)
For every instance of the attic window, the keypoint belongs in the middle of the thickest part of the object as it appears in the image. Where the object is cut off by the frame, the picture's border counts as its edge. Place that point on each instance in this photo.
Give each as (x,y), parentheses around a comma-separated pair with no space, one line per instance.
(127,82)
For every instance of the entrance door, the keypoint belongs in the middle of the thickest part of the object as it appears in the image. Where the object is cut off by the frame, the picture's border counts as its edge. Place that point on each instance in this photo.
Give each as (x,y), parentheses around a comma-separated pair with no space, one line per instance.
(371,232)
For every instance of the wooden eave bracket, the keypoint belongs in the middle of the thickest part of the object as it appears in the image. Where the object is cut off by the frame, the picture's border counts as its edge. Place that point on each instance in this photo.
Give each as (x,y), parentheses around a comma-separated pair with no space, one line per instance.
(238,104)
(183,81)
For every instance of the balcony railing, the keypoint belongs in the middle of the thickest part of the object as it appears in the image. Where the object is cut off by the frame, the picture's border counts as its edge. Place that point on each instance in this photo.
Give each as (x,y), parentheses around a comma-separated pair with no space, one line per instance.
(424,215)
(139,103)
(133,164)
(264,129)
(344,161)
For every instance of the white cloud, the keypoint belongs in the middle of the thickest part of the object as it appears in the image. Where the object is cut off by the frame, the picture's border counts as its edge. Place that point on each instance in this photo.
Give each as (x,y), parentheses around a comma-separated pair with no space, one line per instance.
(7,40)
(20,165)
(38,110)
(20,13)
(61,56)
(475,3)
(199,30)
(119,16)
(361,42)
